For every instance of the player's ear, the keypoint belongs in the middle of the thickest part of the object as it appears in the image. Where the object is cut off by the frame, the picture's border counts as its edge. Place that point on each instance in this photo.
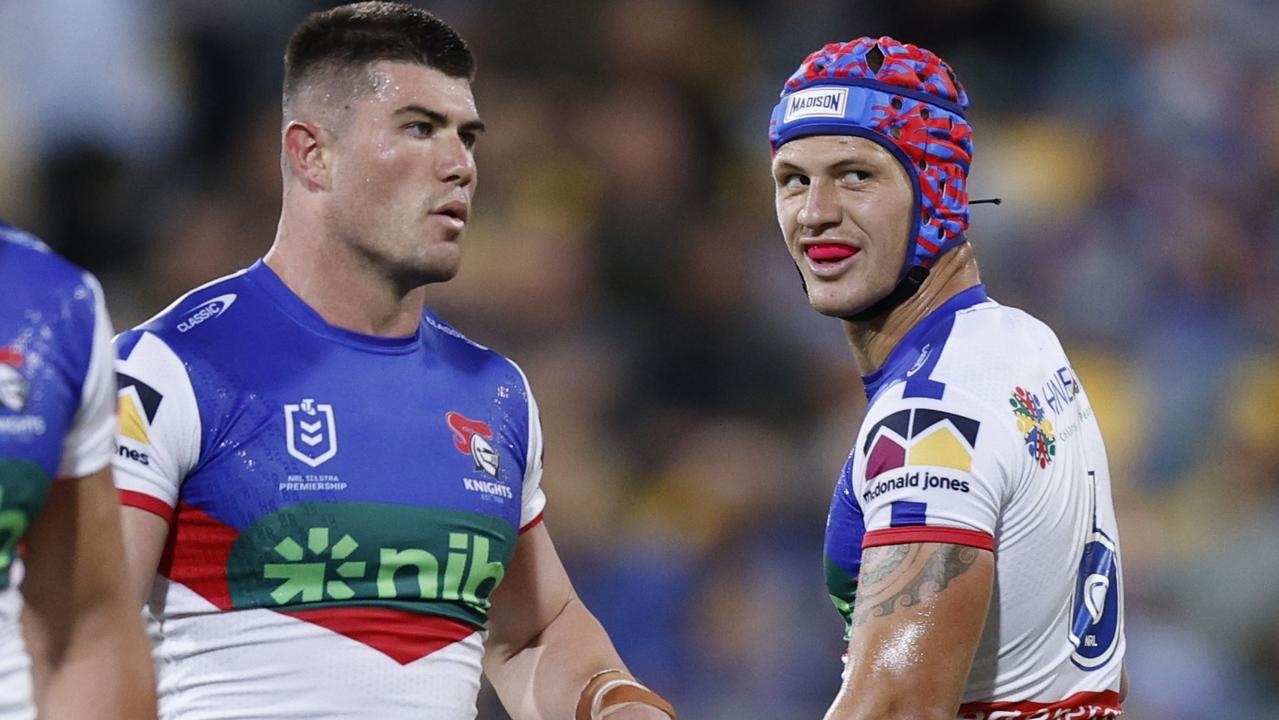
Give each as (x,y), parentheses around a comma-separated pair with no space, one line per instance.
(306,154)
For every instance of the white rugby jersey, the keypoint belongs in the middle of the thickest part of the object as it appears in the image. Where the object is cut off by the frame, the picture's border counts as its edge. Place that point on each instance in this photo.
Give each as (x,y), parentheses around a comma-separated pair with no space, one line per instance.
(57,417)
(979,433)
(341,506)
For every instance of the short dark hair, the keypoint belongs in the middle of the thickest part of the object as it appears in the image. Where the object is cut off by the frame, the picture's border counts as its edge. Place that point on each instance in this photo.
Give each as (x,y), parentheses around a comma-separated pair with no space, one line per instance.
(344,41)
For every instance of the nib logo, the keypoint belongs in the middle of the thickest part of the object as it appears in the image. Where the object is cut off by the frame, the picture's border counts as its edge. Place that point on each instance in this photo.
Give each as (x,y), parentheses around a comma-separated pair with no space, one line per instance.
(310,581)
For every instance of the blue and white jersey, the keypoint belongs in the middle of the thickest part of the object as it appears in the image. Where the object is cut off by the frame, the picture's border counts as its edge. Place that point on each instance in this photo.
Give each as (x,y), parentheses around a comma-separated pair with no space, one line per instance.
(57,417)
(978,433)
(341,506)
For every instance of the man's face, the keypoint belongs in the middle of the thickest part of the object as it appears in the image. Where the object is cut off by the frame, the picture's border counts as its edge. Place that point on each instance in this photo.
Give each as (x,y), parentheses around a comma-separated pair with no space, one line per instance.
(403,171)
(844,204)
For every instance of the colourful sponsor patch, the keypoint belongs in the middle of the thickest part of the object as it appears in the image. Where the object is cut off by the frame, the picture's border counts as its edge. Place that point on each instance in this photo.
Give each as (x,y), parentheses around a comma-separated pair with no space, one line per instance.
(1036,430)
(921,437)
(138,404)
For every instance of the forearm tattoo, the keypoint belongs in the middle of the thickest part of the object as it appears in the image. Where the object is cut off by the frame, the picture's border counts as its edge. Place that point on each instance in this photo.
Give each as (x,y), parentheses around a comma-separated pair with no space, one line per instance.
(898,576)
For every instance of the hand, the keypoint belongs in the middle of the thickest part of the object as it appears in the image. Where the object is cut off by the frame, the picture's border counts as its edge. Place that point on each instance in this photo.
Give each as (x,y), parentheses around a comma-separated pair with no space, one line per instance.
(633,711)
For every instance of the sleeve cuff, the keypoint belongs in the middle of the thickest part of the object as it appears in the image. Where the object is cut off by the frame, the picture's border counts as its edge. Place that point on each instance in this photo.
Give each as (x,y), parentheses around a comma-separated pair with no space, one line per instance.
(83,469)
(537,520)
(142,501)
(926,534)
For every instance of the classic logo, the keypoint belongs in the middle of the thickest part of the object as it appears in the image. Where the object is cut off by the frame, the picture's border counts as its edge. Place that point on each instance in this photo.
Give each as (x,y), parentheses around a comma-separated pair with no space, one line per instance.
(310,432)
(919,361)
(207,310)
(471,437)
(14,388)
(816,102)
(1037,431)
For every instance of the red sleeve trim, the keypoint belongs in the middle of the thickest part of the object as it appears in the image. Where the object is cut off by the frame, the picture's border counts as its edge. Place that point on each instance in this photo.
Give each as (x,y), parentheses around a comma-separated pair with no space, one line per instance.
(924,533)
(142,501)
(532,523)
(1084,704)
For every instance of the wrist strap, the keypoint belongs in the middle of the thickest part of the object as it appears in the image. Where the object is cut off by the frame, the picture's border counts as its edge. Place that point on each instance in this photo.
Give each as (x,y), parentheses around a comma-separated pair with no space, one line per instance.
(613,688)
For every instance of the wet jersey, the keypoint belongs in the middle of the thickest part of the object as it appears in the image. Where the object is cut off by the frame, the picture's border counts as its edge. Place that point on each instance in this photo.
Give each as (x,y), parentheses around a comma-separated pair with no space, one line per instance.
(57,415)
(978,433)
(341,506)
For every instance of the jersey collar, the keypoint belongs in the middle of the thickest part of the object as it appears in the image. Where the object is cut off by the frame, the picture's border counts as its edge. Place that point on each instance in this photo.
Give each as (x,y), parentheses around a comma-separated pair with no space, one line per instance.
(908,349)
(264,277)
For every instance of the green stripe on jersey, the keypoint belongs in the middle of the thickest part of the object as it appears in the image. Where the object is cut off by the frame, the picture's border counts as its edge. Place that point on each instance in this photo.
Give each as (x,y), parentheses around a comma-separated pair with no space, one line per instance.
(843,592)
(24,487)
(424,560)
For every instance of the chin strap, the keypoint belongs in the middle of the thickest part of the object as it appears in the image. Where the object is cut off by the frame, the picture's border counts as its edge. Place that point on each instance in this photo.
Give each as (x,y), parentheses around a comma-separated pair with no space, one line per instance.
(906,287)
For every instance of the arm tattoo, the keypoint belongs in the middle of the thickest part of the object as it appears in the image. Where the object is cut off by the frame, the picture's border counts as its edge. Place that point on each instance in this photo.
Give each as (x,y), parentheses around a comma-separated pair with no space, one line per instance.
(896,576)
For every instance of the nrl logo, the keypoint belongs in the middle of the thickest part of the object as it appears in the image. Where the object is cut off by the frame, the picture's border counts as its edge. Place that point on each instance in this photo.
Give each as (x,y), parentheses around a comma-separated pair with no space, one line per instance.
(14,388)
(310,432)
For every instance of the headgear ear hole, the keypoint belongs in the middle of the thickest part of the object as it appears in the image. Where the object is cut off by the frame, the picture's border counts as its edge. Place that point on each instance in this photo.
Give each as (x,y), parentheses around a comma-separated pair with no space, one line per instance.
(923,113)
(896,103)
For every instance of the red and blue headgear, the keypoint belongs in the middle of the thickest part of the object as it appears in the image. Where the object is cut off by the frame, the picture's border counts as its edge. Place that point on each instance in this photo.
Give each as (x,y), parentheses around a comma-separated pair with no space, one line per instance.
(907,100)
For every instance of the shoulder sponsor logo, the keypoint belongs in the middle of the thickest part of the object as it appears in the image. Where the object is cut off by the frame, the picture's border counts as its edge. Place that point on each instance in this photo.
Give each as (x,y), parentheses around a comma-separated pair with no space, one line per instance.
(1036,430)
(14,386)
(206,310)
(310,432)
(915,438)
(137,405)
(816,102)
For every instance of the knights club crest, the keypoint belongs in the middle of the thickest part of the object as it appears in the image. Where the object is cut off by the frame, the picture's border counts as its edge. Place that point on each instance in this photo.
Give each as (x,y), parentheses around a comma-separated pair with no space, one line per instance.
(310,432)
(14,387)
(471,437)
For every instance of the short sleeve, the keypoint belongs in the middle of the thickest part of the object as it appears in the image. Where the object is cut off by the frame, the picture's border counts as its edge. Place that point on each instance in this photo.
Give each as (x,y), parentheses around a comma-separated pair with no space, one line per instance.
(90,441)
(934,470)
(533,500)
(159,435)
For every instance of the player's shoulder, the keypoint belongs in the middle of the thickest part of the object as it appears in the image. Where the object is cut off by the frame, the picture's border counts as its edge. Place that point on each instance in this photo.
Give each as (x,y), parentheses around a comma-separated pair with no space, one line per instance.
(966,373)
(27,263)
(172,325)
(991,328)
(958,366)
(991,343)
(451,344)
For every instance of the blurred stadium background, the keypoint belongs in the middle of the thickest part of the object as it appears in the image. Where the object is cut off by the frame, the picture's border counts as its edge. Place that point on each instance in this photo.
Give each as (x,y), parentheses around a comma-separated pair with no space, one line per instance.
(624,251)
